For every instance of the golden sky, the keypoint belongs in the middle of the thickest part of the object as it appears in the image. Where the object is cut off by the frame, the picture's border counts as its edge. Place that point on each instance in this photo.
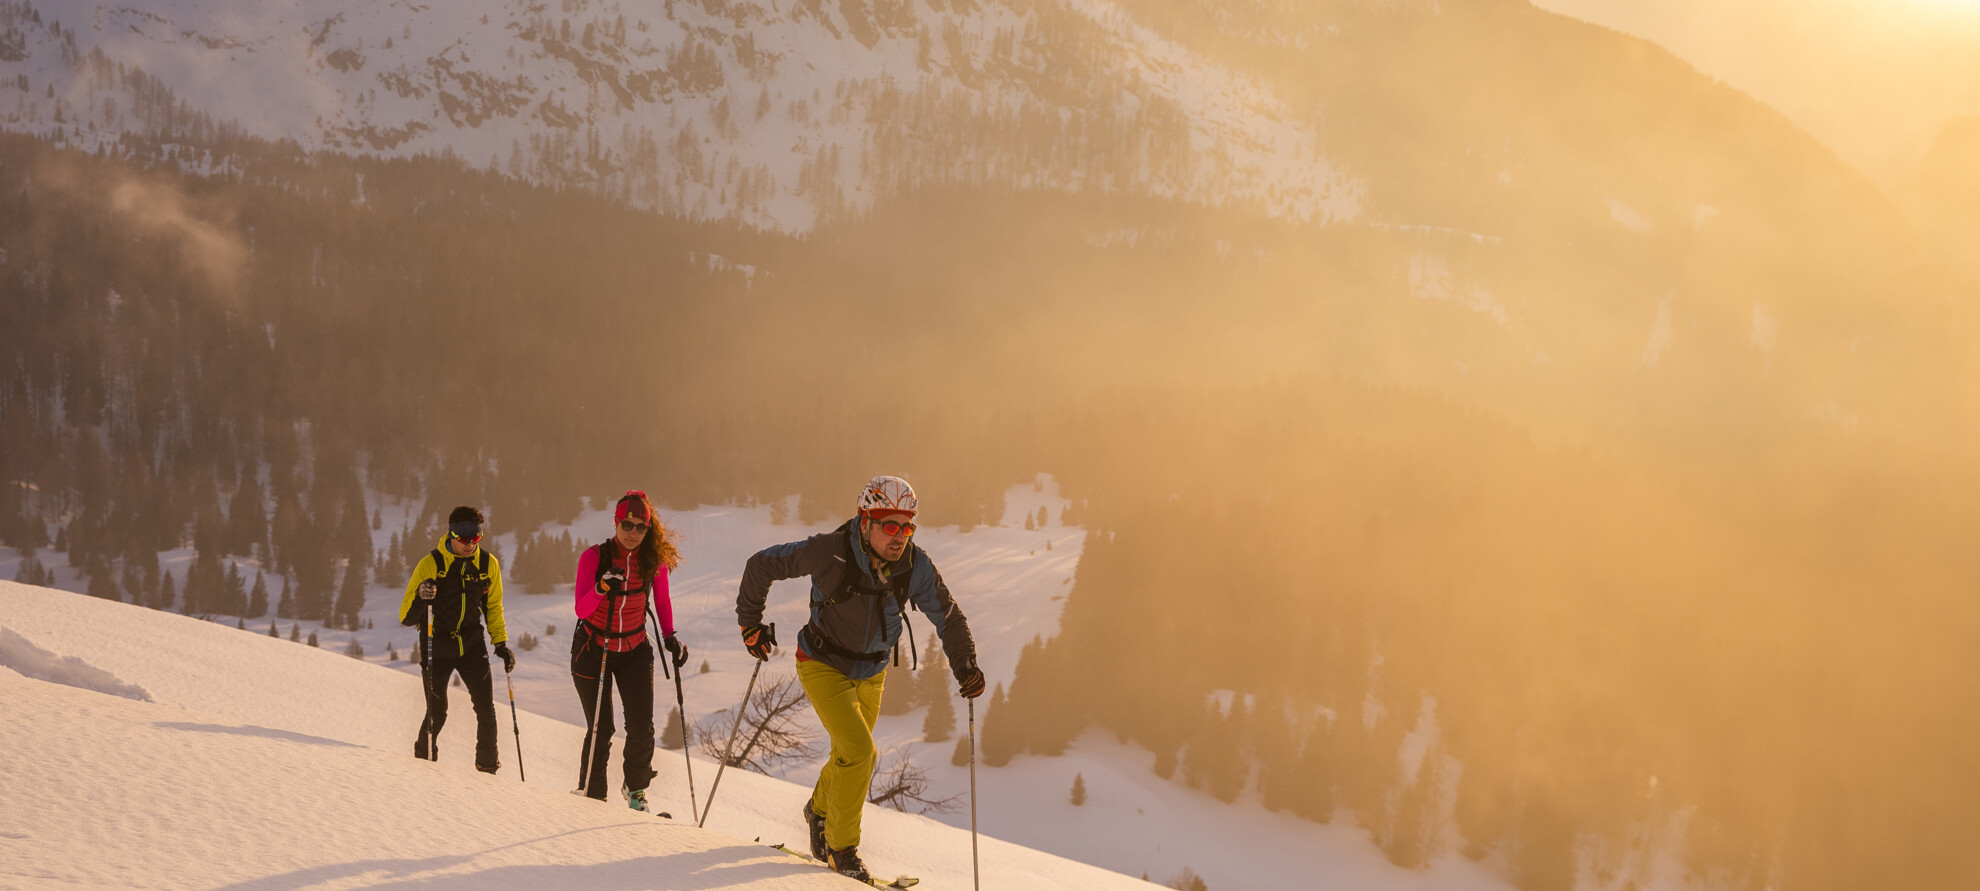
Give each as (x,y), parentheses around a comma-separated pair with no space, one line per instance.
(1874,79)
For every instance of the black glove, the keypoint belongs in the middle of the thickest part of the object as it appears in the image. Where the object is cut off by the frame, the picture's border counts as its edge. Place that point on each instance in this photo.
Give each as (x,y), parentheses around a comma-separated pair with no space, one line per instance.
(427,589)
(508,657)
(968,677)
(676,649)
(759,640)
(613,580)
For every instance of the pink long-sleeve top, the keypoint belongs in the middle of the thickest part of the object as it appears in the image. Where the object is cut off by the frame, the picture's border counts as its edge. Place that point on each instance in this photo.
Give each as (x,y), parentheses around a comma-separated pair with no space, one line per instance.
(625,615)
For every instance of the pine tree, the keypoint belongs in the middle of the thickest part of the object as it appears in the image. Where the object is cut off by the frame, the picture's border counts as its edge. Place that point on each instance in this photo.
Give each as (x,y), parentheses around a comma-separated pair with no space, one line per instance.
(247,517)
(999,739)
(1314,777)
(1232,767)
(286,535)
(30,571)
(1410,840)
(1028,524)
(272,632)
(285,608)
(940,723)
(1188,880)
(353,527)
(236,591)
(396,553)
(312,639)
(1041,516)
(1213,761)
(258,598)
(704,666)
(205,585)
(899,699)
(350,599)
(100,583)
(1079,789)
(670,735)
(961,755)
(167,592)
(295,632)
(315,577)
(935,680)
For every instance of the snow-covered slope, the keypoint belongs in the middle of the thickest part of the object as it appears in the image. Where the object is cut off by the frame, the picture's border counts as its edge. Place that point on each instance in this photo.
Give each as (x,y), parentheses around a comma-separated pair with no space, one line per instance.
(1006,578)
(265,764)
(770,112)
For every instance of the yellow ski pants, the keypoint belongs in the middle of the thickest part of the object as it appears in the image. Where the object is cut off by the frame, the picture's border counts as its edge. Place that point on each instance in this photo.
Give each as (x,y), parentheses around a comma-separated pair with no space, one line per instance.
(848,709)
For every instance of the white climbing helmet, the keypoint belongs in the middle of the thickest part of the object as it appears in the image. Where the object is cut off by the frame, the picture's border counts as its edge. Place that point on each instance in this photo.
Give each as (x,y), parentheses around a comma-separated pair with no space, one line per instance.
(886,494)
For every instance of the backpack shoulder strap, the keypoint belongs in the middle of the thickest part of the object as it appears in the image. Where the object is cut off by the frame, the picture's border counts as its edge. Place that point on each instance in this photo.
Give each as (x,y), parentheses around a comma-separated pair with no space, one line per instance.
(604,561)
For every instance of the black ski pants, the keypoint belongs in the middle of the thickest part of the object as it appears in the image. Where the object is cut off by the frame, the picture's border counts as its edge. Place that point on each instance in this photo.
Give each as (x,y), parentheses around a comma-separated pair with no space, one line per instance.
(474,672)
(632,673)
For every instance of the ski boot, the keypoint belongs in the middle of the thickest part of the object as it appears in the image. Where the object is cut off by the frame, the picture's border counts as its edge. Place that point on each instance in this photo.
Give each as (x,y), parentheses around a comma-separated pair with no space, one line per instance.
(816,824)
(635,798)
(845,861)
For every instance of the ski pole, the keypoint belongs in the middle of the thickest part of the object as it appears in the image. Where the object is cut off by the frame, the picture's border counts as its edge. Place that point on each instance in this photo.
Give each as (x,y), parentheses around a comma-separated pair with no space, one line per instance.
(729,748)
(591,739)
(680,702)
(975,873)
(426,681)
(514,723)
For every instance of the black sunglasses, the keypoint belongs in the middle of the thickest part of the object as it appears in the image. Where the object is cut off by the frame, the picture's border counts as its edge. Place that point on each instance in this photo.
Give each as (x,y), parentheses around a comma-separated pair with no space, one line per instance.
(630,526)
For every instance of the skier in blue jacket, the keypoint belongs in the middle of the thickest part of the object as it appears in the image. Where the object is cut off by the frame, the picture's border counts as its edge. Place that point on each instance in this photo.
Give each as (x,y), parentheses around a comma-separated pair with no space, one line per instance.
(864,574)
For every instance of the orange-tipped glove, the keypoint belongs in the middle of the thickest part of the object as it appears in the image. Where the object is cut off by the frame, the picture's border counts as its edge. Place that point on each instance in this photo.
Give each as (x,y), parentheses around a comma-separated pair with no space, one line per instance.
(969,678)
(759,640)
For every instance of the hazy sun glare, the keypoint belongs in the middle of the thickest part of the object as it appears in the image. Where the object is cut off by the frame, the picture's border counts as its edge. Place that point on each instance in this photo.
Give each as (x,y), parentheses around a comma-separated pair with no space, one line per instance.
(1877,80)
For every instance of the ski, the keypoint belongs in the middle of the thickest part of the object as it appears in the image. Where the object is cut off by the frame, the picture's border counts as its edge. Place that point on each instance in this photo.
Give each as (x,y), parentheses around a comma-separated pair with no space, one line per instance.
(903,881)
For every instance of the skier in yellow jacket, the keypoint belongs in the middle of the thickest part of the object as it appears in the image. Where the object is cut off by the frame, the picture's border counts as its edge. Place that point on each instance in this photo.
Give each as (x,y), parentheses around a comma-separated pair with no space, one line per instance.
(456,586)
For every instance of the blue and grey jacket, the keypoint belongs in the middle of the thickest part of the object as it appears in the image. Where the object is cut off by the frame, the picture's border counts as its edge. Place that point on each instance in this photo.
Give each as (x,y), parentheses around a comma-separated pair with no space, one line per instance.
(855,618)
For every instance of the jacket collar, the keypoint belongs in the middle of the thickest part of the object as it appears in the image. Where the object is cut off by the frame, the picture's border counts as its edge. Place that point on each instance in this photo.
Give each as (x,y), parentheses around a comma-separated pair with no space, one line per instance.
(864,559)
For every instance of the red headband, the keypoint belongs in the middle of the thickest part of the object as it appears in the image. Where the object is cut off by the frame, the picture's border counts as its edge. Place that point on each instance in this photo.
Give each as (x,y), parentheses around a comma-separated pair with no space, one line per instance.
(633,505)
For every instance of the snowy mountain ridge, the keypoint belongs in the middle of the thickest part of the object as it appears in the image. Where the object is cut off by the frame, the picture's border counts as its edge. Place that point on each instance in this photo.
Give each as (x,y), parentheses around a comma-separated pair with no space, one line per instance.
(771,113)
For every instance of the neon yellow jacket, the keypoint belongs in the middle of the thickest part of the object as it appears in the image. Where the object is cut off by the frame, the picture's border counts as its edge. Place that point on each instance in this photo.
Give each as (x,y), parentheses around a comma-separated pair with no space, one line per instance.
(470,588)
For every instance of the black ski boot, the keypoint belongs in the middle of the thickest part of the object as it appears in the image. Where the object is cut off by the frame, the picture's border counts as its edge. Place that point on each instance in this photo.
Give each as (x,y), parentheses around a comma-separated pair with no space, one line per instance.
(816,824)
(845,861)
